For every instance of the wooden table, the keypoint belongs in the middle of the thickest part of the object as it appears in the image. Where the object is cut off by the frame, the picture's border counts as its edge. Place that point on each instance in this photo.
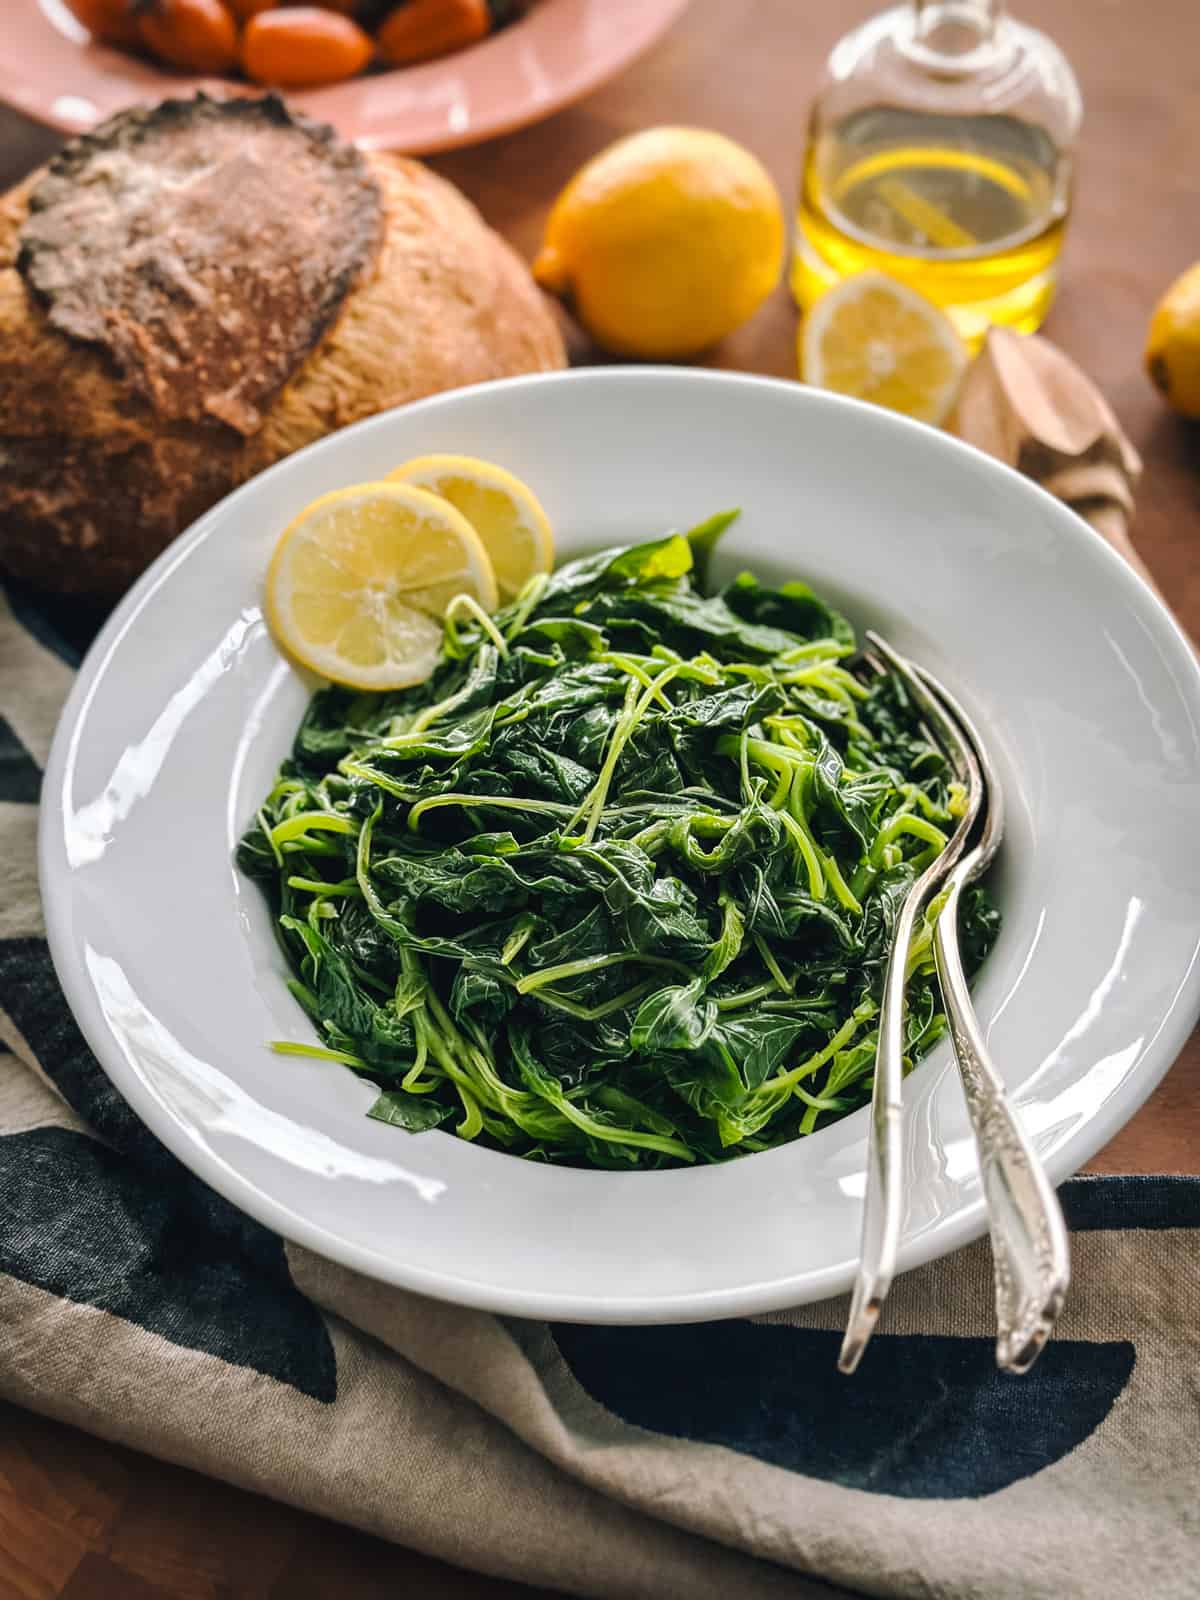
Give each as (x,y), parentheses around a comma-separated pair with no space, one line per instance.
(90,1521)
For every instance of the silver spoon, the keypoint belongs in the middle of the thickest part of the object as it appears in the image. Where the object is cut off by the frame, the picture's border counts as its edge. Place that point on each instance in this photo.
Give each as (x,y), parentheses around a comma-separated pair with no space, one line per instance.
(1030,1251)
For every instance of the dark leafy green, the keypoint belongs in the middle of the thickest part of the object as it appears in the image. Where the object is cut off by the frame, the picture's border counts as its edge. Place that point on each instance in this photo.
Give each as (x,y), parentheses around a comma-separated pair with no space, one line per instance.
(616,885)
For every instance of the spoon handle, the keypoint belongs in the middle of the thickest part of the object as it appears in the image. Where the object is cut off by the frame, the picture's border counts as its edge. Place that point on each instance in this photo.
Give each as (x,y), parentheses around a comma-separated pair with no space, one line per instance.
(1025,1220)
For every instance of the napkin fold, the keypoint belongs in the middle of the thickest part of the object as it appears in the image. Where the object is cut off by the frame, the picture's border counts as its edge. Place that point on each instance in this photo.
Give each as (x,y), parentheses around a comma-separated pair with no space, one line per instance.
(713,1460)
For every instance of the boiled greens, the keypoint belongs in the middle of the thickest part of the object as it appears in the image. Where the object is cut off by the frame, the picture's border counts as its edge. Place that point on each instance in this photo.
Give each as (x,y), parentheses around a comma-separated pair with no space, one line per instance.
(615,887)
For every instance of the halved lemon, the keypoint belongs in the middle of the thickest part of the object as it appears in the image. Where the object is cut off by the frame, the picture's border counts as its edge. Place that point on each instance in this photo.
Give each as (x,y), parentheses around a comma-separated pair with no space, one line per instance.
(360,581)
(504,512)
(875,338)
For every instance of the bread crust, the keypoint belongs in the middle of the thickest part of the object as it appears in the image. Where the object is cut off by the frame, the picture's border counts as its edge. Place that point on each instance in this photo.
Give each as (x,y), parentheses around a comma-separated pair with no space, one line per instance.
(95,480)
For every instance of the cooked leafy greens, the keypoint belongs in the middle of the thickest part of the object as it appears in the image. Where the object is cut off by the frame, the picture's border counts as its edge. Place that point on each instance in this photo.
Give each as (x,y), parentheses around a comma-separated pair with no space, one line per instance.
(614,887)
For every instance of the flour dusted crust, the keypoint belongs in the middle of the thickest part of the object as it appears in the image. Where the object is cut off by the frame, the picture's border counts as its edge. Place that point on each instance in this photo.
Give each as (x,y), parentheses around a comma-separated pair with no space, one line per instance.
(451,304)
(127,406)
(204,246)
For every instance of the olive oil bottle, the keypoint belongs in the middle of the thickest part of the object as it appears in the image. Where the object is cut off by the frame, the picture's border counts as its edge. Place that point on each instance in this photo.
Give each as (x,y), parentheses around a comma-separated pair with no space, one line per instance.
(941,151)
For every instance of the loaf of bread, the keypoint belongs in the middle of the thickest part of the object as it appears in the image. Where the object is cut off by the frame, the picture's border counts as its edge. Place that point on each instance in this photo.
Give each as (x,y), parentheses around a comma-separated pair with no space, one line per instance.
(191,292)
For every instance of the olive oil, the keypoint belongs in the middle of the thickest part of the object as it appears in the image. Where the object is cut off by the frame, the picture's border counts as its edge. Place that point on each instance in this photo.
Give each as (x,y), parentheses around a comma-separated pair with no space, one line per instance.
(968,210)
(941,151)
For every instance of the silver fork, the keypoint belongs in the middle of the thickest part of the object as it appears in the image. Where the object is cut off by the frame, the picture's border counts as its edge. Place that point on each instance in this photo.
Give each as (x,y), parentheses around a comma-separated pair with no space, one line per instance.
(882,1201)
(1029,1240)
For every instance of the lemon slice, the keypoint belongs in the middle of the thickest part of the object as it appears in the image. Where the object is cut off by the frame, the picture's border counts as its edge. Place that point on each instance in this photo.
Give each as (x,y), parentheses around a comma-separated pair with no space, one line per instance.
(360,581)
(503,511)
(877,339)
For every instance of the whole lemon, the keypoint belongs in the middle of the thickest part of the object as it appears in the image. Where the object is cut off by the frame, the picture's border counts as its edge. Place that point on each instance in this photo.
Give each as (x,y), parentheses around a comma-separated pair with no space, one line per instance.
(1173,344)
(665,242)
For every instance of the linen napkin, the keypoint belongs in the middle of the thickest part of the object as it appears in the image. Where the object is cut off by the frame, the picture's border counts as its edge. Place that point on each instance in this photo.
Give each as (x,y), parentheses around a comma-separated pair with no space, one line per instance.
(721,1459)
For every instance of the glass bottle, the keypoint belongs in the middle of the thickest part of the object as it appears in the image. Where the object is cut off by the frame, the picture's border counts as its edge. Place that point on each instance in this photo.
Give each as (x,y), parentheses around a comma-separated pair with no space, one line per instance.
(941,151)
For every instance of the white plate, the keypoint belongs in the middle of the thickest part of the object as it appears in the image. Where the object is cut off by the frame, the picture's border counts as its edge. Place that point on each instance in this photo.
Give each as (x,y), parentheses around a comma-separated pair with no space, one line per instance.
(1088,691)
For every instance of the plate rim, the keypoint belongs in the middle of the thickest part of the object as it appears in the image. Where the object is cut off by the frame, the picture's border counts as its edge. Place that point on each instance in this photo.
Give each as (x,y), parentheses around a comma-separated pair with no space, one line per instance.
(965,1224)
(33,97)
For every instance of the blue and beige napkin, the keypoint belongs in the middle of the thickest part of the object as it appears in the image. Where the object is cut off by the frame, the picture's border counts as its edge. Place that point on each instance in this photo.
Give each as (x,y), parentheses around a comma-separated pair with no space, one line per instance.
(719,1460)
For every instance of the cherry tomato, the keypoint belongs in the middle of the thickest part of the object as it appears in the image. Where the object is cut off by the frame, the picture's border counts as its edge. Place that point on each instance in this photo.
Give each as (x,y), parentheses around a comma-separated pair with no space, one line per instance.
(108,21)
(197,35)
(421,29)
(301,47)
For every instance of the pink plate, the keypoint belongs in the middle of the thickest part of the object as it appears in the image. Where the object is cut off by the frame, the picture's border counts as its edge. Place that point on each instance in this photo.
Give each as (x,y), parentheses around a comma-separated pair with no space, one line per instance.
(50,71)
